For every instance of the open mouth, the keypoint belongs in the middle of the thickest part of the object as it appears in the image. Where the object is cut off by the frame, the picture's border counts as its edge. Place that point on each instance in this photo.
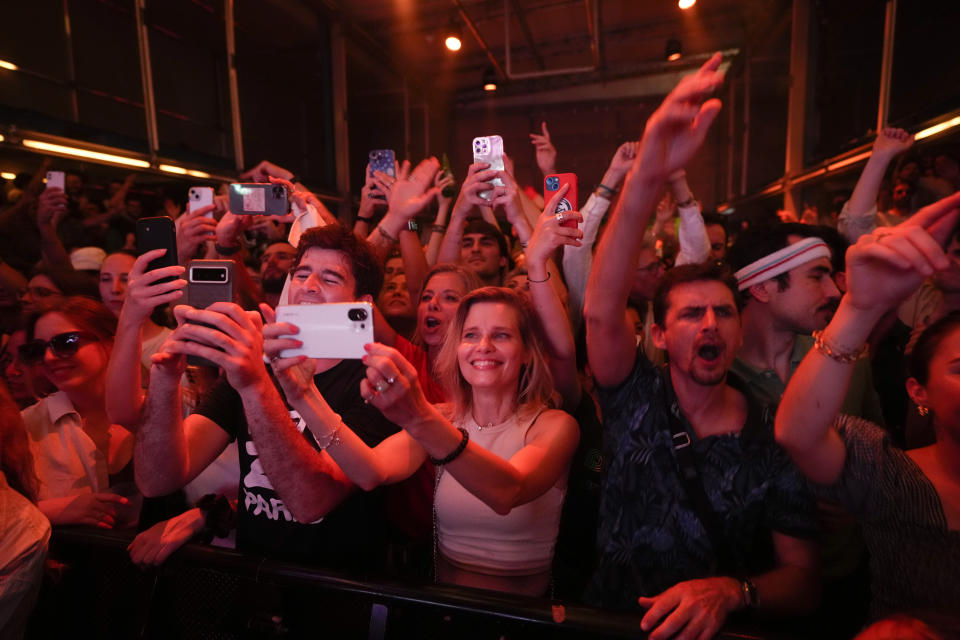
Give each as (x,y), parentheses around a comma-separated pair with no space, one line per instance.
(709,352)
(431,323)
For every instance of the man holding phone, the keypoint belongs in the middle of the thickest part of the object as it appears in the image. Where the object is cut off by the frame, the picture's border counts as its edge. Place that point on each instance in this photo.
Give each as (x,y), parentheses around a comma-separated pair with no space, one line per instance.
(295,503)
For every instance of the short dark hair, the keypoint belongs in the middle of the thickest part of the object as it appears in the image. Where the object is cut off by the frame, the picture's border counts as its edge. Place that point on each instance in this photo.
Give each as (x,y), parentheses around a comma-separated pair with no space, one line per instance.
(711,218)
(918,364)
(479,225)
(684,274)
(364,263)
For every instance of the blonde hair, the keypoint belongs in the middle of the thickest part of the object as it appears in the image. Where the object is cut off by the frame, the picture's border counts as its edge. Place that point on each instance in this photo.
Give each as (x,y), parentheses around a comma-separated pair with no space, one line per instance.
(467,277)
(535,387)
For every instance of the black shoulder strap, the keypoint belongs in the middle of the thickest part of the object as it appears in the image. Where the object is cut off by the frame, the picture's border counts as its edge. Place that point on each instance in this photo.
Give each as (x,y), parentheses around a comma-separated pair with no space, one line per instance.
(690,477)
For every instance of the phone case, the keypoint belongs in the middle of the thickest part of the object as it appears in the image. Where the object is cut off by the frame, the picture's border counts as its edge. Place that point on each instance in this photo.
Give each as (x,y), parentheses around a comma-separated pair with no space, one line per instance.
(569,202)
(208,281)
(200,197)
(258,198)
(489,149)
(56,179)
(334,330)
(382,160)
(158,233)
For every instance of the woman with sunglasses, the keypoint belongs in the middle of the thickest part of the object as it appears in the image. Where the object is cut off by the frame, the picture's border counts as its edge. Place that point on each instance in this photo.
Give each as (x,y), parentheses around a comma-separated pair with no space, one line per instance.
(78,454)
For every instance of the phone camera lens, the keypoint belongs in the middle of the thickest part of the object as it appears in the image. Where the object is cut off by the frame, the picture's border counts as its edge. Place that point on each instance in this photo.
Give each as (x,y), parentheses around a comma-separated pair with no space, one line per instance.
(357,315)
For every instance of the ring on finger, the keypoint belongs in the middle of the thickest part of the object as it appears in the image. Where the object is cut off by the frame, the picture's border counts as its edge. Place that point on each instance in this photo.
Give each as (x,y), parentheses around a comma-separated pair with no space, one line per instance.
(381,386)
(391,380)
(559,218)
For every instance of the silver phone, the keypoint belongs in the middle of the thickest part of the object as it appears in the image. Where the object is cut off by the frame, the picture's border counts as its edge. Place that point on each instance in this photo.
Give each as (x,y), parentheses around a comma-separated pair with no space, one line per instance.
(332,330)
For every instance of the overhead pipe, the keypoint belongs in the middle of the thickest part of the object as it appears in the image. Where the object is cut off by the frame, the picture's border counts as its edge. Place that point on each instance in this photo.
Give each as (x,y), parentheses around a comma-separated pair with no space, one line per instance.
(592,27)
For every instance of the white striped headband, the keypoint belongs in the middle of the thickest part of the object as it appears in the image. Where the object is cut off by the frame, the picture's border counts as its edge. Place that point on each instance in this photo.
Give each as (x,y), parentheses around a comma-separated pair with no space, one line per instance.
(781,261)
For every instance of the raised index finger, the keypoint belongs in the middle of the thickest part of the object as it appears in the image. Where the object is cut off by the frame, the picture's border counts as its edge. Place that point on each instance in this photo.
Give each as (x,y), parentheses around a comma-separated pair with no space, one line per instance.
(936,218)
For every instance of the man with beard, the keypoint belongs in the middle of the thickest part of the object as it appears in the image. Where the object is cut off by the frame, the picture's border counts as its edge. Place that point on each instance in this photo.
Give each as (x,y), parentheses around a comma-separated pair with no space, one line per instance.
(275,264)
(701,512)
(784,274)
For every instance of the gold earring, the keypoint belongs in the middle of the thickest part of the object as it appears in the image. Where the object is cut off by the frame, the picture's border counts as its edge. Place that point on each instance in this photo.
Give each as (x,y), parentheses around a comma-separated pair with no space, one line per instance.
(922,410)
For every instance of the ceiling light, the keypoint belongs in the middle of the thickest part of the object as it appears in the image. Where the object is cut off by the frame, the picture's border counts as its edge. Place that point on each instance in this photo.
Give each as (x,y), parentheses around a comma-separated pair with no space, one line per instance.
(8,175)
(1,137)
(197,174)
(937,128)
(489,79)
(453,43)
(673,50)
(839,164)
(85,153)
(8,65)
(686,4)
(169,168)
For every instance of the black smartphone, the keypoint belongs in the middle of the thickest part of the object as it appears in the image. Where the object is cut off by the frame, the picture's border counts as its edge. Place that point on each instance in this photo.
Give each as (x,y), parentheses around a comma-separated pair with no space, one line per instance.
(208,281)
(258,199)
(158,233)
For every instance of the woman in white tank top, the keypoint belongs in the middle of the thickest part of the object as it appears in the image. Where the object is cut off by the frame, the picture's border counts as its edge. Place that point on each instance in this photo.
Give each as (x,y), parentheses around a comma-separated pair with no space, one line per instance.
(502,455)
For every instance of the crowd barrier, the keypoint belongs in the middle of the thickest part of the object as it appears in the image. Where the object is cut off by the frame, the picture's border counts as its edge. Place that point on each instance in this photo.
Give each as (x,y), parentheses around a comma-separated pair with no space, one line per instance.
(210,592)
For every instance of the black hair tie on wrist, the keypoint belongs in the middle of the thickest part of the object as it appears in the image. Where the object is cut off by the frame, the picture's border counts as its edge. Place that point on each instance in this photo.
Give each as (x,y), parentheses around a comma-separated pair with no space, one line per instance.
(437,462)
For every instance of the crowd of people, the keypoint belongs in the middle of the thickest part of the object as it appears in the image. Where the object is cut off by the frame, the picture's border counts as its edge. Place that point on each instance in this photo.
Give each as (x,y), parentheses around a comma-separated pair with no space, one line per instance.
(644,410)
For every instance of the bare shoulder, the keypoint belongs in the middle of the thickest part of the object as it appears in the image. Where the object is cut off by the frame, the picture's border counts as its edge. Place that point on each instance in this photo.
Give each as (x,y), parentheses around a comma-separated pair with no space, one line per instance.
(553,423)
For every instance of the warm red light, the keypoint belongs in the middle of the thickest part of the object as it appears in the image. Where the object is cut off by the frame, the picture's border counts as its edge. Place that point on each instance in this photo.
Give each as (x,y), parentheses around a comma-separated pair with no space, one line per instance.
(453,43)
(673,56)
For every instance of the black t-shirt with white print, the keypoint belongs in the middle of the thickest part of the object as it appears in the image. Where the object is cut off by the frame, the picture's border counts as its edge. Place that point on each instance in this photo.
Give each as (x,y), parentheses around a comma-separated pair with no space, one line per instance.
(353,535)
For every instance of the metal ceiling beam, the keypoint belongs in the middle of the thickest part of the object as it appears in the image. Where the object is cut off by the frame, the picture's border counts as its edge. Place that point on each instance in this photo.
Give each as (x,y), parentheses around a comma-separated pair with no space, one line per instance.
(483,43)
(594,48)
(521,14)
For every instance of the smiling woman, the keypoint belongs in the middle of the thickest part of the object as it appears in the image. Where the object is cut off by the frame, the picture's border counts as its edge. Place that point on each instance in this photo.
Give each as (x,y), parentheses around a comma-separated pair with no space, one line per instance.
(78,454)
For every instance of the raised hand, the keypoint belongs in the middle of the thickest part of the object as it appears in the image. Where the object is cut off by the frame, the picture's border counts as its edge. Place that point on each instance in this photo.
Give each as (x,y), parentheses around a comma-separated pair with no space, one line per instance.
(441,182)
(144,293)
(678,127)
(227,336)
(153,546)
(546,152)
(412,191)
(698,608)
(623,159)
(392,386)
(892,142)
(193,229)
(265,170)
(479,175)
(51,207)
(508,197)
(889,264)
(549,235)
(295,374)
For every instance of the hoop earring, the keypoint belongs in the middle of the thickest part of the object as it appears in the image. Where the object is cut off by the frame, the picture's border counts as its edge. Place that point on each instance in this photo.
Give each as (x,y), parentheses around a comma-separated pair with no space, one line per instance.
(923,411)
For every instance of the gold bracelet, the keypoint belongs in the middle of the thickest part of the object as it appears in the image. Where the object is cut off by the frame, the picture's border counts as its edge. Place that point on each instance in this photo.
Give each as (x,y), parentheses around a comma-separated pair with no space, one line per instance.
(843,358)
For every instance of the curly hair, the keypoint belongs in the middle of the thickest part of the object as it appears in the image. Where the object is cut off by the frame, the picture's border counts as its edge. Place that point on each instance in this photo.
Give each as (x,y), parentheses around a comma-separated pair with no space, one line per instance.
(16,461)
(364,263)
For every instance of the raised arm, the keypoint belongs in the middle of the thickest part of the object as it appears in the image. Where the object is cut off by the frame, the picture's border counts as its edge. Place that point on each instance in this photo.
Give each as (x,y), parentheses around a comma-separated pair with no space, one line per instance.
(478,179)
(124,387)
(672,135)
(500,484)
(368,205)
(859,215)
(51,207)
(407,195)
(883,268)
(439,227)
(578,260)
(692,234)
(548,236)
(309,485)
(546,152)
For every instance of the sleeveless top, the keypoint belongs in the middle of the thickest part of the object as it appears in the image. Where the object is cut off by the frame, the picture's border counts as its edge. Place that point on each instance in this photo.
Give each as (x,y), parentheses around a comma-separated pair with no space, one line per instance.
(471,533)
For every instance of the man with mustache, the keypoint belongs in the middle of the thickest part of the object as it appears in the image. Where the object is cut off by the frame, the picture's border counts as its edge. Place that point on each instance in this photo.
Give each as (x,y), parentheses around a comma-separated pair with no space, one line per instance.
(701,513)
(784,274)
(275,264)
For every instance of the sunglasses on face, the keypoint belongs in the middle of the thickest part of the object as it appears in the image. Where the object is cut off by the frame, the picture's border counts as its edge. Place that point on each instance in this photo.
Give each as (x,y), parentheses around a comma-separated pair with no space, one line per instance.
(63,345)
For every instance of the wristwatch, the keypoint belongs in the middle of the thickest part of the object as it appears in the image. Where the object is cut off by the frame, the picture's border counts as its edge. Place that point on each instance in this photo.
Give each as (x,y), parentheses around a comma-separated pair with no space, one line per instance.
(749,592)
(226,251)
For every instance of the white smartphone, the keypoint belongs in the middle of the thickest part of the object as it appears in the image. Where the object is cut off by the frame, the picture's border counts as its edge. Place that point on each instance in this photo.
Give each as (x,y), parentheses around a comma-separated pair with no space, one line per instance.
(199,197)
(56,179)
(489,149)
(332,330)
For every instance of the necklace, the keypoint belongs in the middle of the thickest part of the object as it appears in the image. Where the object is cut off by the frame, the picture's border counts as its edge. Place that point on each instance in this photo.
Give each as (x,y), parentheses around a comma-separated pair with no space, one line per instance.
(489,425)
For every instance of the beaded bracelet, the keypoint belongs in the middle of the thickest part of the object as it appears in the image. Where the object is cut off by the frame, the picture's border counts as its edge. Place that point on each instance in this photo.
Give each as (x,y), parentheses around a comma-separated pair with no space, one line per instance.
(437,462)
(843,358)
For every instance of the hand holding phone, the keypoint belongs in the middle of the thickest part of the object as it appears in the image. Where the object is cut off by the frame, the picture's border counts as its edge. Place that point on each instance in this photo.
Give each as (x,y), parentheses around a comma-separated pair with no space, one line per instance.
(158,233)
(384,160)
(208,281)
(256,198)
(199,197)
(56,180)
(568,202)
(333,330)
(489,149)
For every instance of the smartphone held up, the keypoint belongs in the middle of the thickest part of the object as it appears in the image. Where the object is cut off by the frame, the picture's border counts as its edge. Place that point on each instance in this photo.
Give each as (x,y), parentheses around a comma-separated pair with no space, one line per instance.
(331,330)
(258,199)
(489,149)
(553,183)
